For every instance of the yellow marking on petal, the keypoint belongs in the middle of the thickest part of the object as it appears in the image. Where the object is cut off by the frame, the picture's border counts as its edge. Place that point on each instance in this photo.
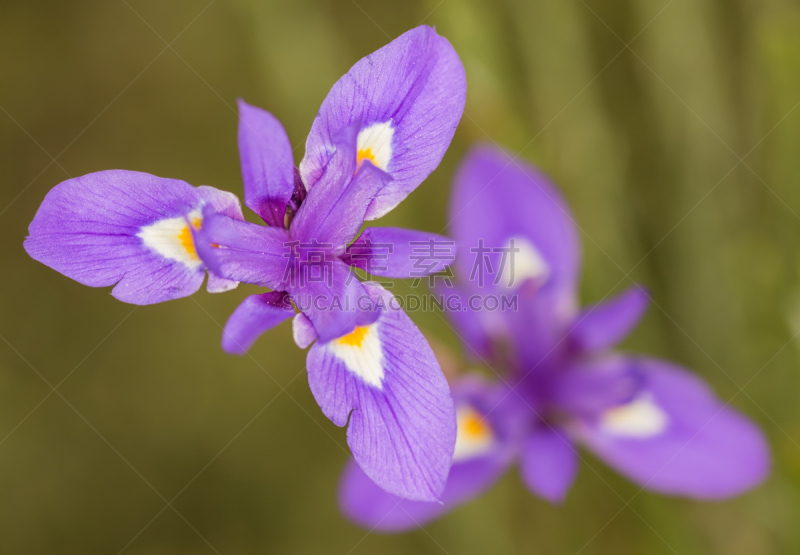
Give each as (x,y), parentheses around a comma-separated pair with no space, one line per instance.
(186,239)
(355,338)
(474,426)
(364,155)
(361,352)
(374,143)
(474,435)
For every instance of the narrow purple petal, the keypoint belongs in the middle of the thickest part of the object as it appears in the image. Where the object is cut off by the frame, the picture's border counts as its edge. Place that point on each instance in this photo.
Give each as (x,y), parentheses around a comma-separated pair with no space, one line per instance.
(400,253)
(334,209)
(497,198)
(126,228)
(549,463)
(677,438)
(334,300)
(386,380)
(267,163)
(408,97)
(244,251)
(256,314)
(603,325)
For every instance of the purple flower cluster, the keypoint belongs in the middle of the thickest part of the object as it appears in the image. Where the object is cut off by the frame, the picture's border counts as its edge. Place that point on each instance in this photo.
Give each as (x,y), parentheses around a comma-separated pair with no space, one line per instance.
(382,129)
(419,448)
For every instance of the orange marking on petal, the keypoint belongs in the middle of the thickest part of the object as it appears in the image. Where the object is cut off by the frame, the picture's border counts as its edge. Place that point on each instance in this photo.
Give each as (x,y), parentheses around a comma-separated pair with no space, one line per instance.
(364,155)
(355,338)
(474,426)
(185,237)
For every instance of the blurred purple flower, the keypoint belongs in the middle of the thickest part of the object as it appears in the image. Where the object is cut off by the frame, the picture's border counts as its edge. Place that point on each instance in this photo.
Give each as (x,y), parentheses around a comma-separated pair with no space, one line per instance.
(382,129)
(652,421)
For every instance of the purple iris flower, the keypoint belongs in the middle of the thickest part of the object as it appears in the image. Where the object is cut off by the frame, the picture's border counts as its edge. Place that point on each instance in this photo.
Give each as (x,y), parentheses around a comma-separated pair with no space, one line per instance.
(651,420)
(379,133)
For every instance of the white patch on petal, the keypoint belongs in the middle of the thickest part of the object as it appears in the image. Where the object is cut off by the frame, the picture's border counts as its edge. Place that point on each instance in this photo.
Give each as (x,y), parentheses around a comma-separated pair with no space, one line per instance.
(524,262)
(474,436)
(361,352)
(639,419)
(374,143)
(172,238)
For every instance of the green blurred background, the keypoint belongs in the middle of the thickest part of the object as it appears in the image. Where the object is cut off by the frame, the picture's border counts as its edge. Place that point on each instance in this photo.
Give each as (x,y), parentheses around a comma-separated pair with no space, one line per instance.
(679,156)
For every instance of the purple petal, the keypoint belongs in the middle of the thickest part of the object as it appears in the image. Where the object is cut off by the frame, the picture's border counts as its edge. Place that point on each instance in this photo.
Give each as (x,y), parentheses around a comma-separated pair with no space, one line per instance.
(303,331)
(334,300)
(256,314)
(243,251)
(227,204)
(677,438)
(267,163)
(128,228)
(536,328)
(603,325)
(549,463)
(386,379)
(334,209)
(497,198)
(365,503)
(589,387)
(217,284)
(408,97)
(400,253)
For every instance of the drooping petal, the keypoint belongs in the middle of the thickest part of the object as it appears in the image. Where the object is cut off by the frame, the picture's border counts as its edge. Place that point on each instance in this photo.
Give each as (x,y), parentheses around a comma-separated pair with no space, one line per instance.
(489,429)
(385,378)
(676,438)
(549,463)
(334,209)
(331,296)
(603,325)
(408,97)
(256,314)
(400,253)
(267,163)
(127,228)
(498,199)
(244,251)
